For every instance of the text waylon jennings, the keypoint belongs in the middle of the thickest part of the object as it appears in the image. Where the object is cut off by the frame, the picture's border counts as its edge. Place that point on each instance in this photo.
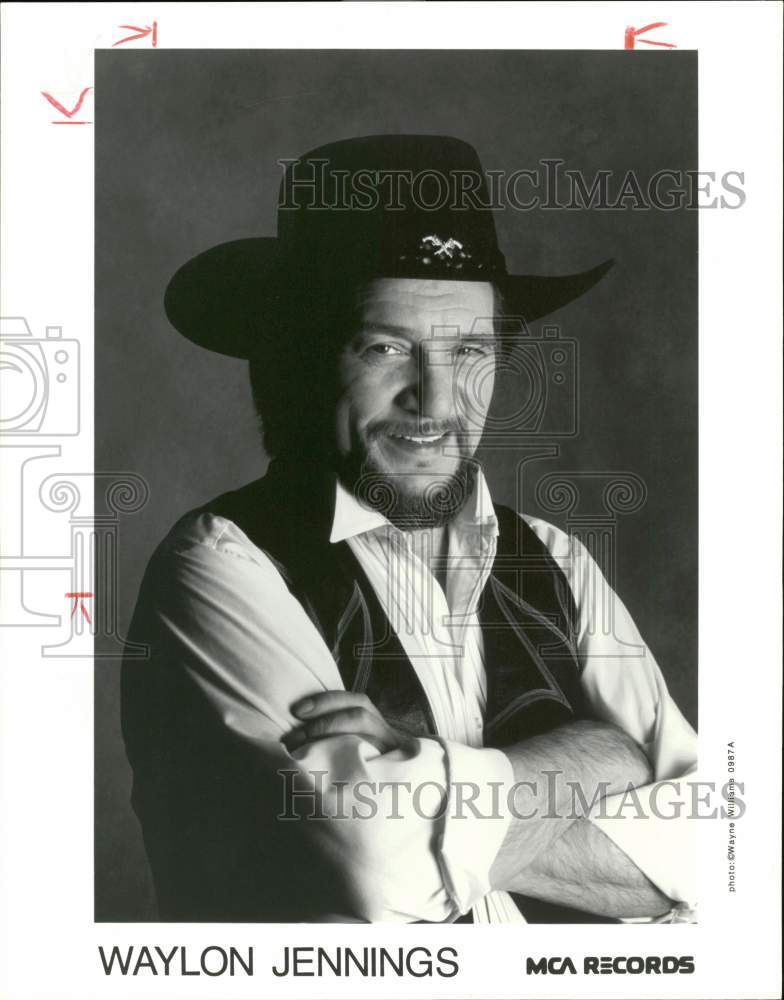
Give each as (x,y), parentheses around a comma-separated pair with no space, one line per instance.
(215,960)
(419,962)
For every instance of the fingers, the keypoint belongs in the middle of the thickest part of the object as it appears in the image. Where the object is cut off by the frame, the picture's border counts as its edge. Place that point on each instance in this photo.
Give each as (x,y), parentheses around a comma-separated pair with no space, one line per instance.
(330,701)
(355,721)
(344,713)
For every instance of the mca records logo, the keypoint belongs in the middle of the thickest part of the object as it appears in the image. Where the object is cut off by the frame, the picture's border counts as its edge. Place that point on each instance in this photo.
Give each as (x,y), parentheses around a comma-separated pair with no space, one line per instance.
(605,965)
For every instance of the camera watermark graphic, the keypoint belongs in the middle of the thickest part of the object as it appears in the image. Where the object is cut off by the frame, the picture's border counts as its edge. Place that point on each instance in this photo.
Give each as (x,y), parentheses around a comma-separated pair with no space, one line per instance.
(49,525)
(40,380)
(540,363)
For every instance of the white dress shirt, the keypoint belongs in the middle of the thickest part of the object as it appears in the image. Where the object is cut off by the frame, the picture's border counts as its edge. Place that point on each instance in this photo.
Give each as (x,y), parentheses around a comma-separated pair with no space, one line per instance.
(248,643)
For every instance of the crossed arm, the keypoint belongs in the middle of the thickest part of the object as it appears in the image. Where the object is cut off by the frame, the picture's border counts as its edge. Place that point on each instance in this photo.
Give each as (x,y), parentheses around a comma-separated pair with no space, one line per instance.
(550,851)
(569,860)
(254,667)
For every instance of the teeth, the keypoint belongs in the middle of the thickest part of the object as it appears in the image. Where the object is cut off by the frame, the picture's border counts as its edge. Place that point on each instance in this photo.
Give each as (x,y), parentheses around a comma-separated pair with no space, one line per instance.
(419,440)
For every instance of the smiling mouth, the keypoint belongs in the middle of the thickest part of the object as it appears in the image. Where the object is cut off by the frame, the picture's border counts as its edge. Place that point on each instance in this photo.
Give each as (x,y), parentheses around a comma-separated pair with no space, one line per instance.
(420,439)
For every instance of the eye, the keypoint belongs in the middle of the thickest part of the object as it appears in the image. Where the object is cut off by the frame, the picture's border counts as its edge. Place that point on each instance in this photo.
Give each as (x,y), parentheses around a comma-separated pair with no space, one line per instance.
(474,350)
(384,350)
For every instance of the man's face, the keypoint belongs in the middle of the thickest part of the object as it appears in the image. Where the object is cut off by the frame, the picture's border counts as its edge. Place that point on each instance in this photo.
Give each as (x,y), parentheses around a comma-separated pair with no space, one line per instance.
(414,386)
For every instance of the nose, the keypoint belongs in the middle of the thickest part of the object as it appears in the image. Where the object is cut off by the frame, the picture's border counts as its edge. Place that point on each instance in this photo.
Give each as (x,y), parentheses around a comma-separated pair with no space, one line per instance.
(429,394)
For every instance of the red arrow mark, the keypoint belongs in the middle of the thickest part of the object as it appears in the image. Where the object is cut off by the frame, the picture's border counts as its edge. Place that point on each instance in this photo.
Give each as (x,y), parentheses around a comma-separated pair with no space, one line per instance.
(64,111)
(78,602)
(632,33)
(140,33)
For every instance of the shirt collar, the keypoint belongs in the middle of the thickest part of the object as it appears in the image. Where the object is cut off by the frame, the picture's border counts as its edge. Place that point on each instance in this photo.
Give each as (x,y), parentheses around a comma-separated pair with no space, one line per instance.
(352,518)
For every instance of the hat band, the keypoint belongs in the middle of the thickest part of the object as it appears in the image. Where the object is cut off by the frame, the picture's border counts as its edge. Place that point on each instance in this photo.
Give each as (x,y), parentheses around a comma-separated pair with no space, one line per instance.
(432,255)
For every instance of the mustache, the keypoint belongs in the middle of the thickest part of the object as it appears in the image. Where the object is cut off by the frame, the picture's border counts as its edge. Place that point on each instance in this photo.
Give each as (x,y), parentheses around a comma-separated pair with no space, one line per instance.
(422,428)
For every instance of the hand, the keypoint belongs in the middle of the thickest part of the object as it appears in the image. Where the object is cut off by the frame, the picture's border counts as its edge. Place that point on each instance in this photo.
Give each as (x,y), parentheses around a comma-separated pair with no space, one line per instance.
(334,713)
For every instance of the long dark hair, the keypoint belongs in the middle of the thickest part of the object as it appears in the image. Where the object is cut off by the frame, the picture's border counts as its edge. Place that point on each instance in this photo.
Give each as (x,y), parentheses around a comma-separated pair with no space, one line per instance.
(293,379)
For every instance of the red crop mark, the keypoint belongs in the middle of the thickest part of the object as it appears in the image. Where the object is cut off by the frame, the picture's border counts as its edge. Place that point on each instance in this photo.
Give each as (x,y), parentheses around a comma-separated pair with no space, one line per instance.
(78,602)
(64,111)
(149,29)
(631,34)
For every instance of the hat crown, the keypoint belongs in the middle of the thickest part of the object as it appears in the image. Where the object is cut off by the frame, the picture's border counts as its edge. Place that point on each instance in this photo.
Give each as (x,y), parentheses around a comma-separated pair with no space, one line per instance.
(375,206)
(392,205)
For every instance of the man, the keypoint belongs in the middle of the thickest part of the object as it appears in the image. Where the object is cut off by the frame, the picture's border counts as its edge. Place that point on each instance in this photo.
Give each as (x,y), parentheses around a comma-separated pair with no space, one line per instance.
(372,693)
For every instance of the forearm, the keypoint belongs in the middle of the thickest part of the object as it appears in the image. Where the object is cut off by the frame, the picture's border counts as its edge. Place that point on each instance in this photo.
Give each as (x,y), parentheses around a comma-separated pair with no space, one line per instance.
(584,869)
(548,849)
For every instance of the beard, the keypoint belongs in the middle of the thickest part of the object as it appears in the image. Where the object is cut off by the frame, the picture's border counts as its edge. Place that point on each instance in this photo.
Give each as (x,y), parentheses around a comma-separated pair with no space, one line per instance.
(409,506)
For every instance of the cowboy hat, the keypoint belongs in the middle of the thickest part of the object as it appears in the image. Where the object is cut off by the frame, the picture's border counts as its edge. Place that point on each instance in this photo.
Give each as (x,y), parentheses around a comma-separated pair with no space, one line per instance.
(404,206)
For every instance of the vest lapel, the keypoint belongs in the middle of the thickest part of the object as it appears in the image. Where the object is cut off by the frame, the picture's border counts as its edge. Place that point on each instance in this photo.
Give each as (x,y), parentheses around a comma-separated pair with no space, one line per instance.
(528,628)
(527,612)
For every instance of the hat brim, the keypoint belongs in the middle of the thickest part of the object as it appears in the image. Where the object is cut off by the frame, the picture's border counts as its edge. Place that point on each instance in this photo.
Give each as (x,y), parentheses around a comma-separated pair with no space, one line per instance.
(226,298)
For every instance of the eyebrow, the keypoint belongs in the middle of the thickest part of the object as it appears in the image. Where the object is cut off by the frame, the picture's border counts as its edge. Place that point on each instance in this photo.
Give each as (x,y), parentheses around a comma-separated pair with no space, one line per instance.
(390,328)
(405,331)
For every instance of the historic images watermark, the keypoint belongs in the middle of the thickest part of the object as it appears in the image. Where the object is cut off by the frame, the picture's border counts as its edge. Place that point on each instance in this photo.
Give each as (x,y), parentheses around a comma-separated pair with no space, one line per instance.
(550,185)
(308,795)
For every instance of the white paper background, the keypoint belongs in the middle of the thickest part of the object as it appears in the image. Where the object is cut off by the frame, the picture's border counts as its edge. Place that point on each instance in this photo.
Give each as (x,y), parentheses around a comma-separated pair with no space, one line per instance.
(49,942)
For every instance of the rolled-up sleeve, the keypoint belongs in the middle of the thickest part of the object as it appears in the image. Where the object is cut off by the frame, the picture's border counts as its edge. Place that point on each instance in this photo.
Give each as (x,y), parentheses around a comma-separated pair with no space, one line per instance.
(476,820)
(230,626)
(624,685)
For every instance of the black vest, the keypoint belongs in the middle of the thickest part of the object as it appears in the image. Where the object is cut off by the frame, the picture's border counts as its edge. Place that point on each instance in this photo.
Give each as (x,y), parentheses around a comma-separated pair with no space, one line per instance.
(207,828)
(527,615)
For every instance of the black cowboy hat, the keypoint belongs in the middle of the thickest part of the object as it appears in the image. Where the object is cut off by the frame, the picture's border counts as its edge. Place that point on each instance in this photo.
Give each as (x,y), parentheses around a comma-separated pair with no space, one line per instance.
(406,206)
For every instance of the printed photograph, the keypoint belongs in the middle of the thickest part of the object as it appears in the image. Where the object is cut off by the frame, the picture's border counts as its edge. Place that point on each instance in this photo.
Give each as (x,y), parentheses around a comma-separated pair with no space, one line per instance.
(396,396)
